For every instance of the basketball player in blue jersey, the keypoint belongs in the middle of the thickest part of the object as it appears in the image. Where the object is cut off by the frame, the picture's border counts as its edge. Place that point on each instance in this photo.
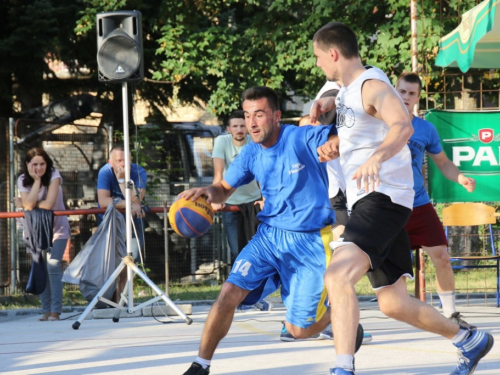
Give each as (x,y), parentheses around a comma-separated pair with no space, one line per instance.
(373,131)
(424,227)
(290,247)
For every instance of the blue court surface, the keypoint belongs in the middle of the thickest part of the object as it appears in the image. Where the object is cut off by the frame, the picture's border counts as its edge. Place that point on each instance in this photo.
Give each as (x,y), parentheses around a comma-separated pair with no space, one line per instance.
(143,346)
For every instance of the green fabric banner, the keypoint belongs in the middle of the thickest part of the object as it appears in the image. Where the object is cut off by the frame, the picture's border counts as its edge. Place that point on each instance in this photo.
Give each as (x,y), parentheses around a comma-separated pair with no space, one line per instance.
(472,141)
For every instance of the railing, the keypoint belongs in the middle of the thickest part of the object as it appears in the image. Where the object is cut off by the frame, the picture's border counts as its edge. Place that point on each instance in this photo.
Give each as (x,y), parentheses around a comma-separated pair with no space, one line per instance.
(194,251)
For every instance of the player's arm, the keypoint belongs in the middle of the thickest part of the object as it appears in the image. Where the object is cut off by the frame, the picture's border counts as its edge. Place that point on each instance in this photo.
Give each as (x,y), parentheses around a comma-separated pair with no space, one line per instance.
(320,106)
(216,193)
(381,101)
(219,165)
(451,172)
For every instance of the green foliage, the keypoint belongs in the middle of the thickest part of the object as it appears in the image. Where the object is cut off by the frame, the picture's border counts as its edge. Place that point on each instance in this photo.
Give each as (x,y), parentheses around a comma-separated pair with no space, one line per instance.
(211,50)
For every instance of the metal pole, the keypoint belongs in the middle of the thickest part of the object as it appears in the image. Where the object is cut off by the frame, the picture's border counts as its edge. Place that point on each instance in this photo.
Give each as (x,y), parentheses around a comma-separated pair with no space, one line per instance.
(128,192)
(165,237)
(12,221)
(110,138)
(414,43)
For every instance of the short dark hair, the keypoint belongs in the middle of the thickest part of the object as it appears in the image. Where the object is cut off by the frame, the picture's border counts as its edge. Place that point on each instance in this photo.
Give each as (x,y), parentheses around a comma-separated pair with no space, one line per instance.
(259,92)
(37,151)
(340,36)
(118,148)
(411,77)
(236,114)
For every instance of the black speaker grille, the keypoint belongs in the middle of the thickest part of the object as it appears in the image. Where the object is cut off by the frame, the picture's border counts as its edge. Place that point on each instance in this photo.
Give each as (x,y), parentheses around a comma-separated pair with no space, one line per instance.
(119,58)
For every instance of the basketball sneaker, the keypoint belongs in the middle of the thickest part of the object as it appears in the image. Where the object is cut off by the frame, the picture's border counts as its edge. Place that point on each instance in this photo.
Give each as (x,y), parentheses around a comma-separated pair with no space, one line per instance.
(340,371)
(197,369)
(471,350)
(263,305)
(457,318)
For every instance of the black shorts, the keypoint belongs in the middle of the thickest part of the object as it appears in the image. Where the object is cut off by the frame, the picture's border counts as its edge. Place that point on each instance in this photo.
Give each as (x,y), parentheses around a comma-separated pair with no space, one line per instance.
(377,226)
(339,204)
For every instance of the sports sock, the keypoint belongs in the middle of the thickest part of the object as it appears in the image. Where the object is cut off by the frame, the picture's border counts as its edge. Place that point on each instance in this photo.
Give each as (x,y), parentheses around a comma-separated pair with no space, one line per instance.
(462,335)
(448,302)
(203,362)
(345,361)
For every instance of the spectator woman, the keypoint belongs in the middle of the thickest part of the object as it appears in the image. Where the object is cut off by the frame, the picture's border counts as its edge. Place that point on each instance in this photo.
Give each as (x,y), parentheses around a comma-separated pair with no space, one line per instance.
(40,187)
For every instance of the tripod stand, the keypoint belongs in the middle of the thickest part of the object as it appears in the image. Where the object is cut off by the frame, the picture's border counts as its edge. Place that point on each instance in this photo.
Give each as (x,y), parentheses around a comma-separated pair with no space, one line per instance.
(128,261)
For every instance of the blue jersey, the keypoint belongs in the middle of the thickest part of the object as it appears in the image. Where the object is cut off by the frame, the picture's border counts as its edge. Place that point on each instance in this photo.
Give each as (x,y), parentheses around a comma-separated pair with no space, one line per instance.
(292,180)
(106,180)
(425,138)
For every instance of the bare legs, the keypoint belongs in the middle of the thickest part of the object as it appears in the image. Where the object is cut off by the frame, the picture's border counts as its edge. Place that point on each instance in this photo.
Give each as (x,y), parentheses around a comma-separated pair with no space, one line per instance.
(347,267)
(395,302)
(445,280)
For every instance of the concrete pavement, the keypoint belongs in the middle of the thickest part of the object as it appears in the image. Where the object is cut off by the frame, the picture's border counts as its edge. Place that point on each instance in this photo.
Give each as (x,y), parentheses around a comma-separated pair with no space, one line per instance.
(144,346)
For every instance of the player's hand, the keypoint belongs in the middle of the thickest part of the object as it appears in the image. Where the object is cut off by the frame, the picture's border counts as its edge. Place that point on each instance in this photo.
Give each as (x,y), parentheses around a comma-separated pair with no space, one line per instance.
(367,176)
(329,150)
(218,206)
(468,183)
(320,106)
(195,193)
(259,203)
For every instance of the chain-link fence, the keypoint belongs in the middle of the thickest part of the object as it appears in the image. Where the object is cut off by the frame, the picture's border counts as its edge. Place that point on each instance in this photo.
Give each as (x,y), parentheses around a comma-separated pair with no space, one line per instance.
(175,158)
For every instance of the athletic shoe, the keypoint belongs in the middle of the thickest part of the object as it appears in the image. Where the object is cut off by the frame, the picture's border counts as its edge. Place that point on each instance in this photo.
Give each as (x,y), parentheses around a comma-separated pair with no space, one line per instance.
(457,318)
(263,305)
(471,350)
(340,371)
(367,338)
(196,369)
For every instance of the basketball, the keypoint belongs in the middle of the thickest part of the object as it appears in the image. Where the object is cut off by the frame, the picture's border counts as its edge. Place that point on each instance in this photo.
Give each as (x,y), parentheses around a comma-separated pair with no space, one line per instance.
(191,218)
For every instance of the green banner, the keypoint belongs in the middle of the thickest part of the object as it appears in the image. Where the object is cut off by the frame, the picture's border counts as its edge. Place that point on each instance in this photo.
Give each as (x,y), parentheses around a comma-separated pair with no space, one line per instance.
(472,141)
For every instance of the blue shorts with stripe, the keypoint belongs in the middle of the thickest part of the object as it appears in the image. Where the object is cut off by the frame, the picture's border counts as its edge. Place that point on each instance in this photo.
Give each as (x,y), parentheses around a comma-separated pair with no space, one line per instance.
(295,260)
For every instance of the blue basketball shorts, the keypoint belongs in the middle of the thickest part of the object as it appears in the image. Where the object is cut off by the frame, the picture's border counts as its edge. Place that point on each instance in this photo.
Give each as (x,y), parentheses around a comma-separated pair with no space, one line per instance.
(295,260)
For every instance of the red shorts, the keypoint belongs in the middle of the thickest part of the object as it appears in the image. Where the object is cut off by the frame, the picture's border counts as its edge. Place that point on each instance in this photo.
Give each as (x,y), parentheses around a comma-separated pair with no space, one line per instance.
(424,228)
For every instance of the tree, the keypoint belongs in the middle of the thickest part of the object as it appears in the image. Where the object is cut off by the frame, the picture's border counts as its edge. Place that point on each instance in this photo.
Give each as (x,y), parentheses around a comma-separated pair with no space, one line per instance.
(210,50)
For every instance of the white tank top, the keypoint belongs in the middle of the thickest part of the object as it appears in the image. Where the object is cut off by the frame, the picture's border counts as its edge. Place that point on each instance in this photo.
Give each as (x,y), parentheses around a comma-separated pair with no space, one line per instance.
(335,177)
(360,135)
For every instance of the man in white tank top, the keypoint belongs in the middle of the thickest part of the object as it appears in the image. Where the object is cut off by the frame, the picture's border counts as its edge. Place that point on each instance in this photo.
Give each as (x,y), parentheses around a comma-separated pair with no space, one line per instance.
(373,130)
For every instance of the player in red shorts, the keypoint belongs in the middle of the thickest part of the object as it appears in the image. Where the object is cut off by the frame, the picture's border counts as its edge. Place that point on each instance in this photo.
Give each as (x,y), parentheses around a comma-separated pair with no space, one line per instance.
(424,227)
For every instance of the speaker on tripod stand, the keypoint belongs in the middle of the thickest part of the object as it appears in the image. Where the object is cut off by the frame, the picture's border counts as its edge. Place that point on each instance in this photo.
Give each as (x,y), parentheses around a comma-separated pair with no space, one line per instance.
(119,46)
(119,58)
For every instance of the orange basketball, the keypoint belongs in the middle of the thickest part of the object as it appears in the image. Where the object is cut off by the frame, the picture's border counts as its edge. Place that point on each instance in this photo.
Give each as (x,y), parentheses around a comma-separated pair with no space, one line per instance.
(191,218)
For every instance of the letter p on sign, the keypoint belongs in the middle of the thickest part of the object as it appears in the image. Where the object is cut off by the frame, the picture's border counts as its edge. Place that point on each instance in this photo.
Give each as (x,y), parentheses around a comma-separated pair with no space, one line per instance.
(486,135)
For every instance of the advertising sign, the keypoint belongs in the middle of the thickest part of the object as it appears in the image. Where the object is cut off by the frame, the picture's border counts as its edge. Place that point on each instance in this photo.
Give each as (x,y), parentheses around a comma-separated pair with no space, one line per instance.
(472,141)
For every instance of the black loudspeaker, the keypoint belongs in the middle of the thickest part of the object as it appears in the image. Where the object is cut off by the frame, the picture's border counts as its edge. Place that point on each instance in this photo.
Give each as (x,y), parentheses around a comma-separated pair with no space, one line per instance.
(119,46)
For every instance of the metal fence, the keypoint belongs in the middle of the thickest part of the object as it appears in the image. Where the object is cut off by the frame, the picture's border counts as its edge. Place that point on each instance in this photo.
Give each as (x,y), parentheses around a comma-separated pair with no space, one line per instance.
(175,159)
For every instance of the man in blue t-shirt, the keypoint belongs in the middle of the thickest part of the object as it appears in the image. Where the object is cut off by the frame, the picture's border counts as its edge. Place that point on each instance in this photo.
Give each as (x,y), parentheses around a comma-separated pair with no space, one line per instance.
(424,227)
(290,247)
(111,184)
